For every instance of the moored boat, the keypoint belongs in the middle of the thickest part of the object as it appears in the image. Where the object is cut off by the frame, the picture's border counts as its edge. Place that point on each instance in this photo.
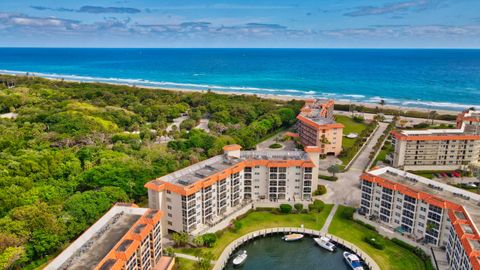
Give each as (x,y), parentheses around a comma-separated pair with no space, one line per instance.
(240,258)
(325,243)
(292,237)
(353,261)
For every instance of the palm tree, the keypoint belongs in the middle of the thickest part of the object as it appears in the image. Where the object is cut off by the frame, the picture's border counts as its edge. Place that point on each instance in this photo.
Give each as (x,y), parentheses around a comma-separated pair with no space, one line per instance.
(382,102)
(333,169)
(205,260)
(477,175)
(432,115)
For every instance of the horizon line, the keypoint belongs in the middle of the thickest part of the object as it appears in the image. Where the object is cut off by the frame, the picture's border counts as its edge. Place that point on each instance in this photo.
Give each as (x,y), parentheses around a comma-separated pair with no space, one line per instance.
(246,48)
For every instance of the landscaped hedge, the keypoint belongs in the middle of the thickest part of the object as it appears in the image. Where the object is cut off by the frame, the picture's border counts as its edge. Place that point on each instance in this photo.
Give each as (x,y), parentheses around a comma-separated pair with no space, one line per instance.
(298,207)
(351,151)
(379,143)
(374,241)
(316,206)
(285,208)
(275,146)
(266,209)
(328,177)
(321,189)
(417,251)
(366,225)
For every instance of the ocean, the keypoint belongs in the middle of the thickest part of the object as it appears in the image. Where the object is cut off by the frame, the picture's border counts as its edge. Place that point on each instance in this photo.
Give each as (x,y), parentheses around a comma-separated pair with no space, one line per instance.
(427,78)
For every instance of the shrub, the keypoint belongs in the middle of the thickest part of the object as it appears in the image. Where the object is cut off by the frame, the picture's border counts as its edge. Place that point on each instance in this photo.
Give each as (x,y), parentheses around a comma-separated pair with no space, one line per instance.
(321,189)
(298,207)
(316,206)
(416,250)
(348,213)
(366,225)
(209,239)
(328,177)
(285,208)
(188,124)
(375,242)
(237,225)
(358,119)
(275,146)
(265,209)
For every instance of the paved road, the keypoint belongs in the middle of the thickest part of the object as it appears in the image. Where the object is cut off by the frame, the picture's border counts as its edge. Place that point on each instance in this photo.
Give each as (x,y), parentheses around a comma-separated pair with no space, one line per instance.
(176,122)
(346,189)
(203,124)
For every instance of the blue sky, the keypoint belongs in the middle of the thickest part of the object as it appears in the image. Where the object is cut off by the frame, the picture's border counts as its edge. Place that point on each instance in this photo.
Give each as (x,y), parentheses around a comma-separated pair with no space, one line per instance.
(245,23)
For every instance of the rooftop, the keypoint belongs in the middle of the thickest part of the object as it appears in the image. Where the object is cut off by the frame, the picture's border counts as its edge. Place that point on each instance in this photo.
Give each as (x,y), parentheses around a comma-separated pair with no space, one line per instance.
(470,201)
(211,166)
(94,244)
(317,111)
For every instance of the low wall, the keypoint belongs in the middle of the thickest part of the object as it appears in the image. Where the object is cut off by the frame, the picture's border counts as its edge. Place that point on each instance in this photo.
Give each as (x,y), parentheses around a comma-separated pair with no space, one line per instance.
(230,249)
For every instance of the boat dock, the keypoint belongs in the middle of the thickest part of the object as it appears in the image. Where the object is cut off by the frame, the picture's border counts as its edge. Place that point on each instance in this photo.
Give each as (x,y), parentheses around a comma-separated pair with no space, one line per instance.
(230,249)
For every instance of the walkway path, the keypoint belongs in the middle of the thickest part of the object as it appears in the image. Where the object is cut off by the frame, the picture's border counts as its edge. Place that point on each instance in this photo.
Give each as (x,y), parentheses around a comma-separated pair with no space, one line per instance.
(186,256)
(329,219)
(346,189)
(176,122)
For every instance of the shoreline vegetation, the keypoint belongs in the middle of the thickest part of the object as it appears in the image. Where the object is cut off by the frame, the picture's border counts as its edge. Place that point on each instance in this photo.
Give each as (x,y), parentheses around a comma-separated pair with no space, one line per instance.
(341,105)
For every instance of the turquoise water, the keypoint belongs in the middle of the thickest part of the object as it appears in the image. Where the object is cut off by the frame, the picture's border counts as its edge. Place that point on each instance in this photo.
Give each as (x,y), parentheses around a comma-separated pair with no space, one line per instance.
(448,79)
(273,253)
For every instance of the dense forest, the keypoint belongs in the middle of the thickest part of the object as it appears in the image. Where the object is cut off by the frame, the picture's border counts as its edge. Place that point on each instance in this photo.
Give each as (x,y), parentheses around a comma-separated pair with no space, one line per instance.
(69,150)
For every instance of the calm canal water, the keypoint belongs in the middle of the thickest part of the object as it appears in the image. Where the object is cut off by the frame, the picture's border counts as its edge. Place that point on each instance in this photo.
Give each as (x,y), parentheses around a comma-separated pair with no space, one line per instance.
(272,253)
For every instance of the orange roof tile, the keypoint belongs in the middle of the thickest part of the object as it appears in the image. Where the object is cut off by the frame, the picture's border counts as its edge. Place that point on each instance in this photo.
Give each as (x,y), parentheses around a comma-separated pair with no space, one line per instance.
(232,147)
(403,137)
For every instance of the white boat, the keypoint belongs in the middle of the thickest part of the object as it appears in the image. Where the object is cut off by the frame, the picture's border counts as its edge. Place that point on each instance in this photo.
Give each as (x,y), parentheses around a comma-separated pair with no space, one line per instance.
(353,261)
(292,237)
(325,243)
(240,258)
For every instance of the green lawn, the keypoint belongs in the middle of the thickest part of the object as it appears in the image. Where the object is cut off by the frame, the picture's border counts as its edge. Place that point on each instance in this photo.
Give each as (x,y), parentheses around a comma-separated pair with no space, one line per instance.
(184,264)
(350,126)
(262,220)
(391,258)
(382,155)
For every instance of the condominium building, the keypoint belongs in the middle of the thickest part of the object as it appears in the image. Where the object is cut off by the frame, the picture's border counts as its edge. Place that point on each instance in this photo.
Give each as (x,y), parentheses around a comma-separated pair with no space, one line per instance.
(126,237)
(439,149)
(429,212)
(316,126)
(200,195)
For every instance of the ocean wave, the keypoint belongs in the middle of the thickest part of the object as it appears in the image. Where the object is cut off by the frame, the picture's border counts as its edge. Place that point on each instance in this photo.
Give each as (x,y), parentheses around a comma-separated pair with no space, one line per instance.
(434,104)
(354,96)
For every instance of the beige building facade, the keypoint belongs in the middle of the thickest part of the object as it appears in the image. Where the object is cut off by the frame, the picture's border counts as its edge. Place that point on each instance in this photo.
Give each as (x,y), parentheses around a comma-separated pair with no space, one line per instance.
(439,149)
(203,194)
(429,212)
